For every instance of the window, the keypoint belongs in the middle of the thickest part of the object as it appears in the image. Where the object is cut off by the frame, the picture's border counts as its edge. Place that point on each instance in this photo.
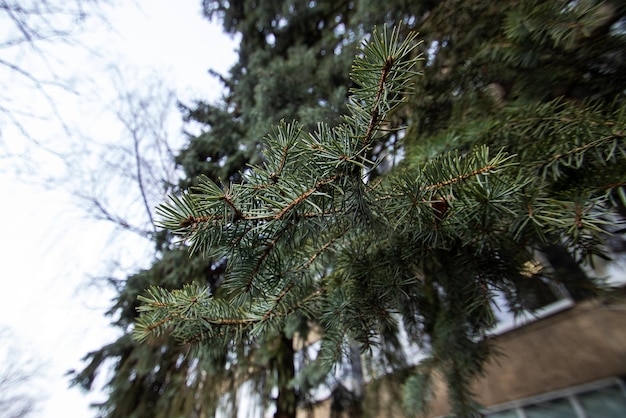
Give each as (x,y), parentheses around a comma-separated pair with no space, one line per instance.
(553,299)
(607,402)
(558,408)
(602,399)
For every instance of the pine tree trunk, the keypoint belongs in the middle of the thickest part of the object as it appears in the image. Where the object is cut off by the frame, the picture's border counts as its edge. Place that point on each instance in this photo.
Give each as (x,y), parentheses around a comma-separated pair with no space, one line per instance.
(358,381)
(286,400)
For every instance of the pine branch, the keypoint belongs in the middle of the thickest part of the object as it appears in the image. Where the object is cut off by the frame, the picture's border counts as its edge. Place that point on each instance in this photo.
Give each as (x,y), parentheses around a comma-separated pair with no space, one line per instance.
(266,252)
(287,209)
(391,60)
(233,221)
(304,235)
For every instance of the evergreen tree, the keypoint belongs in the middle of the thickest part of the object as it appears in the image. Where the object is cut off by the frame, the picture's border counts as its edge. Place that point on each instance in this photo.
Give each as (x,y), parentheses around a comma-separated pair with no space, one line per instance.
(307,234)
(510,75)
(289,68)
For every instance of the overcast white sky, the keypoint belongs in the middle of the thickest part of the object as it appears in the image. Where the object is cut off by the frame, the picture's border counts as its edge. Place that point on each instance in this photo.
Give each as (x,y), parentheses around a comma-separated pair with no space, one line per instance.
(50,248)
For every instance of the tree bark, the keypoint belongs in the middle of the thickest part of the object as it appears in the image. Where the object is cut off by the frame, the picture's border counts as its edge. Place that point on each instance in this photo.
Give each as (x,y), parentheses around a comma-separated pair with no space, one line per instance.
(286,400)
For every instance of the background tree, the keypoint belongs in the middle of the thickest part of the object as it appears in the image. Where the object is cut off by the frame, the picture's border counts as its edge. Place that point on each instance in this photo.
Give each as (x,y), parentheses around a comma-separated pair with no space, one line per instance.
(234,129)
(138,164)
(29,29)
(492,74)
(17,375)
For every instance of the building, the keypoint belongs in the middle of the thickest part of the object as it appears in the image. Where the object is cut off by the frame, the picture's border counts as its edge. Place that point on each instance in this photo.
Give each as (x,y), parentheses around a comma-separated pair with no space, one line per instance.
(565,360)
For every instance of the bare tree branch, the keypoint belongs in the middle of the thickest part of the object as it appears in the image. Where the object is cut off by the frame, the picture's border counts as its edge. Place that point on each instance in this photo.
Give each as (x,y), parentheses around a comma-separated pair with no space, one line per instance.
(17,373)
(138,166)
(29,27)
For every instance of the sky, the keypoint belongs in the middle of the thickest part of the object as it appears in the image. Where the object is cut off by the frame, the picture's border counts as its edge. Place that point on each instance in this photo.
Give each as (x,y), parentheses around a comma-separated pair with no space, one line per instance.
(52,248)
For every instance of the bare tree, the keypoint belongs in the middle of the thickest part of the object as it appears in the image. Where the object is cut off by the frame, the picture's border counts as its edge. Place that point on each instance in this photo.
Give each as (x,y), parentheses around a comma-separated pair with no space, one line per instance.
(29,28)
(120,179)
(128,175)
(17,373)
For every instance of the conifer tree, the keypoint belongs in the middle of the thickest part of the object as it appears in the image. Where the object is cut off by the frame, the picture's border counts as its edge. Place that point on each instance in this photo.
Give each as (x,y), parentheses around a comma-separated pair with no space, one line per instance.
(533,86)
(307,235)
(231,139)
